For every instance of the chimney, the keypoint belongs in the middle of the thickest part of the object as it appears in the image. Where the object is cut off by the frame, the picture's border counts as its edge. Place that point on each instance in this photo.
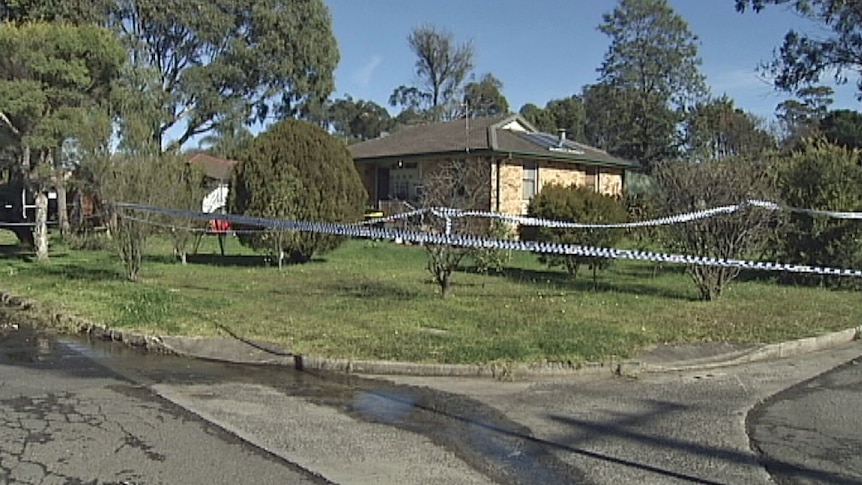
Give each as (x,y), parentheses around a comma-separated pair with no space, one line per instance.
(562,140)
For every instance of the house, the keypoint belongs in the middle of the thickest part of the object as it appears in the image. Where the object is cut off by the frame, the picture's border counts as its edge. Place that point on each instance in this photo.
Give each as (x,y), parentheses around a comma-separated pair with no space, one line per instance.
(515,159)
(218,172)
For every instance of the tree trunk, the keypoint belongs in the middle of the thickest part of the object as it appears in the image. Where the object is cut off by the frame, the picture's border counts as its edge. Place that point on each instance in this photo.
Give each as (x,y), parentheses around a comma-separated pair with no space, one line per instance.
(62,209)
(41,228)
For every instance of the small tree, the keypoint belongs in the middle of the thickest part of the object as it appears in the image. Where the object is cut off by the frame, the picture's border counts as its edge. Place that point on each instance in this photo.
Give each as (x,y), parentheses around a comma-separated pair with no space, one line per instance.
(297,171)
(822,177)
(688,187)
(455,184)
(137,180)
(489,260)
(184,189)
(575,204)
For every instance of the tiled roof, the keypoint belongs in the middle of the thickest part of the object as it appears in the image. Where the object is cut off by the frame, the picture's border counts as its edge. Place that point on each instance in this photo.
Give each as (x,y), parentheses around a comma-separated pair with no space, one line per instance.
(450,136)
(214,167)
(479,134)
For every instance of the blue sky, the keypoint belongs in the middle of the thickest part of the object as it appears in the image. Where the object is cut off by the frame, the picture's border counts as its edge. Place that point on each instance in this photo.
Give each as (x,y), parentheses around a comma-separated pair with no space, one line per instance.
(549,49)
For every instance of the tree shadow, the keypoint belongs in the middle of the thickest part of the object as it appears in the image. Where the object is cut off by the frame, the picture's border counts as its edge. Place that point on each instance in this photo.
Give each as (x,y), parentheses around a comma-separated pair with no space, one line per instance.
(623,427)
(76,272)
(16,251)
(236,260)
(370,289)
(627,429)
(584,283)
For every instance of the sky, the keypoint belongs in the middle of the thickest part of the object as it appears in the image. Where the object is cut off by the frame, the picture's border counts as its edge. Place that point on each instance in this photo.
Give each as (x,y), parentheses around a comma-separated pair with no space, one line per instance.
(549,49)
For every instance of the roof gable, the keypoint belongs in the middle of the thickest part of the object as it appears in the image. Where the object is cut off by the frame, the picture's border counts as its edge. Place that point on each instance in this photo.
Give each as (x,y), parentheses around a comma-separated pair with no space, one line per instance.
(214,167)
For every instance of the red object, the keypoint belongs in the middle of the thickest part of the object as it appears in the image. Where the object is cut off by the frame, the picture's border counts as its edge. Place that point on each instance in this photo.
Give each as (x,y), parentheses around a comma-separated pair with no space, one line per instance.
(219,226)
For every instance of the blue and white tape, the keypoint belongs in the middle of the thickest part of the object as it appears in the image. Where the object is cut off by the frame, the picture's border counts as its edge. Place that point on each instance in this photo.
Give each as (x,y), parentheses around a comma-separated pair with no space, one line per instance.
(447,213)
(470,241)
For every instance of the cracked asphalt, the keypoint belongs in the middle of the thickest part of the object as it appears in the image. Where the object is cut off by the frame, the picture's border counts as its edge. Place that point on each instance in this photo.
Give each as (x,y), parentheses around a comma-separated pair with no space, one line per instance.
(65,420)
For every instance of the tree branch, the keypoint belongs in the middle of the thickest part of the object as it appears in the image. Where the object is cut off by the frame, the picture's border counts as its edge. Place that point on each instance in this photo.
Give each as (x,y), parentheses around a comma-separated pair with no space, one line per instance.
(8,123)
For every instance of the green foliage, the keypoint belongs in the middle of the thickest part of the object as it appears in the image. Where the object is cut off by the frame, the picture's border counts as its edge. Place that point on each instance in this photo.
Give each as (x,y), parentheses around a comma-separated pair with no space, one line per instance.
(196,63)
(650,73)
(184,190)
(53,77)
(149,180)
(688,187)
(485,98)
(296,171)
(228,140)
(492,260)
(800,118)
(822,177)
(835,48)
(441,68)
(357,120)
(69,11)
(843,127)
(559,114)
(575,204)
(717,129)
(538,117)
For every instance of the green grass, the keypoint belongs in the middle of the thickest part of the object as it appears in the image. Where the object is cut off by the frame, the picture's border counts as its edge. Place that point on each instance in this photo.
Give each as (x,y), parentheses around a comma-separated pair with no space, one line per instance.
(374,300)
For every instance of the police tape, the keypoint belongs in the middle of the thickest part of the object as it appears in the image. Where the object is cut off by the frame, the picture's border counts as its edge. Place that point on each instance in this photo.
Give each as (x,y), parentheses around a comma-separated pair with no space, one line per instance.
(448,214)
(477,242)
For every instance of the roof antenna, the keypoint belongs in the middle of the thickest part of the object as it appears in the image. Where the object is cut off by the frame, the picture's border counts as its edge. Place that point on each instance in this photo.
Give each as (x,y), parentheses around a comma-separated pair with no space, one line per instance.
(466,105)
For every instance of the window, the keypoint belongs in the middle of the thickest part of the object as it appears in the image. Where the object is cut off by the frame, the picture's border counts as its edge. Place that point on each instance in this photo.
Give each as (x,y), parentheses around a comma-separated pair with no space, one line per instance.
(530,181)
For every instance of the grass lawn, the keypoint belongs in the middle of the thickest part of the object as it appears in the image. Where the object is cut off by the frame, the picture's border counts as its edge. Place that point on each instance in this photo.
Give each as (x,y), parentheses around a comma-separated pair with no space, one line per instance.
(375,300)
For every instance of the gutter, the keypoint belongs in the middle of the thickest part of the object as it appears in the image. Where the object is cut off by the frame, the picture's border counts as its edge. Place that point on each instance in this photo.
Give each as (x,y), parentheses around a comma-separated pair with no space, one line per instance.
(511,154)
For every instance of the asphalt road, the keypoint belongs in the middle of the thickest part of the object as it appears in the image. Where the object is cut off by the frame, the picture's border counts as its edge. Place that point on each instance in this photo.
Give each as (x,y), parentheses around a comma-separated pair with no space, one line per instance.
(812,432)
(64,419)
(70,414)
(689,427)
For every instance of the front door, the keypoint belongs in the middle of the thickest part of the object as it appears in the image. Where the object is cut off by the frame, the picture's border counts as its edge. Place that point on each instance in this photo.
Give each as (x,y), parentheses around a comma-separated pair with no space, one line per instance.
(382,183)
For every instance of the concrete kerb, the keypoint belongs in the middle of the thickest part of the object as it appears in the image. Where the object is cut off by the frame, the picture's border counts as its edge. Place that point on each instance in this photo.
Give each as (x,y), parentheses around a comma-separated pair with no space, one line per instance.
(235,350)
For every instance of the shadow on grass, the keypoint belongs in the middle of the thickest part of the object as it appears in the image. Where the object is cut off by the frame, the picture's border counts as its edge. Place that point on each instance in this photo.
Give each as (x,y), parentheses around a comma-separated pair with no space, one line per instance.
(375,290)
(237,260)
(585,283)
(80,273)
(16,251)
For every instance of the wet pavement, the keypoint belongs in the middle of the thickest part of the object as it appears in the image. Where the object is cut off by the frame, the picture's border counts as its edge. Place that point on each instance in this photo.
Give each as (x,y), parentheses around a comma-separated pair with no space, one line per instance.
(673,427)
(347,429)
(66,419)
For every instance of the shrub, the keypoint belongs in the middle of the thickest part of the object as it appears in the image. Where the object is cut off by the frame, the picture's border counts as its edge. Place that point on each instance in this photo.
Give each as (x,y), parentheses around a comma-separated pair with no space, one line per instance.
(296,171)
(689,187)
(822,177)
(145,180)
(493,260)
(575,204)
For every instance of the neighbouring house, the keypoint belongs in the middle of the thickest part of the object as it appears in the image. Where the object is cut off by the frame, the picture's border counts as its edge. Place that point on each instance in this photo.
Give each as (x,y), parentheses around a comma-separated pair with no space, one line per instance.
(516,161)
(218,172)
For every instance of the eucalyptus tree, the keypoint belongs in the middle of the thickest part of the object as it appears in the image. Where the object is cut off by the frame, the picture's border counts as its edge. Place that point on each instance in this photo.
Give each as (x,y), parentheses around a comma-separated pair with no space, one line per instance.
(442,66)
(485,97)
(804,59)
(195,64)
